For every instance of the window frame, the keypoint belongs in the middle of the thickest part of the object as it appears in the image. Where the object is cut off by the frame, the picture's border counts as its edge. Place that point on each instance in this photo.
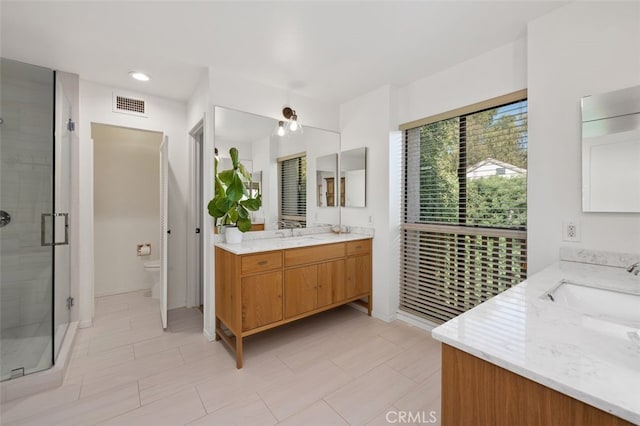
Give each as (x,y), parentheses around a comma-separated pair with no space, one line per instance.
(291,219)
(421,292)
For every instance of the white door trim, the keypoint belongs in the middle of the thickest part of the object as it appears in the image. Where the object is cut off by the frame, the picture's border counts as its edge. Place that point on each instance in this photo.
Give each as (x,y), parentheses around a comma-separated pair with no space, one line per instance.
(193,290)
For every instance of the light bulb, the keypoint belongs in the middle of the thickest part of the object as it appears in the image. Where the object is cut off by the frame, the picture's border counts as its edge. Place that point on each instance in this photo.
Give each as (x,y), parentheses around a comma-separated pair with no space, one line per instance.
(281,130)
(293,126)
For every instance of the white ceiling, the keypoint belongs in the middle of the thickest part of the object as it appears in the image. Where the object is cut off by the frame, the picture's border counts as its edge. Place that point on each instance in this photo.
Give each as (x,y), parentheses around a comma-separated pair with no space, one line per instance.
(330,51)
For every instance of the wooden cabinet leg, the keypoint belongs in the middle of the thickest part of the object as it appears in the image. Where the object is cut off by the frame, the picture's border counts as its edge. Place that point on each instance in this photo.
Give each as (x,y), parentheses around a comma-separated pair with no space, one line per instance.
(370,305)
(238,352)
(218,329)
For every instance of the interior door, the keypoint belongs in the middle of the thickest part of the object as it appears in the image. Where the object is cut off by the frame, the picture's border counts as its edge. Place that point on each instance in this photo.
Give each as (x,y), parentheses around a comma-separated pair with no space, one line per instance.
(164,213)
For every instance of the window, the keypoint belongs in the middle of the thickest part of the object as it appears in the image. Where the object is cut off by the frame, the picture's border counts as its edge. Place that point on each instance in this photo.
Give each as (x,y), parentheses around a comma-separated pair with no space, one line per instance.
(292,187)
(464,207)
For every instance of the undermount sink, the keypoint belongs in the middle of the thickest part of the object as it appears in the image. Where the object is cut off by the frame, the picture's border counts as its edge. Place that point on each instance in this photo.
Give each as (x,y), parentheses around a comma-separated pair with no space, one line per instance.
(597,301)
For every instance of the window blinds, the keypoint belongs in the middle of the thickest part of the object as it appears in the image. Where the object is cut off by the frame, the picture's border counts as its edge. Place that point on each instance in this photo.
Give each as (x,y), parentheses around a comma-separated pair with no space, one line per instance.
(293,189)
(464,210)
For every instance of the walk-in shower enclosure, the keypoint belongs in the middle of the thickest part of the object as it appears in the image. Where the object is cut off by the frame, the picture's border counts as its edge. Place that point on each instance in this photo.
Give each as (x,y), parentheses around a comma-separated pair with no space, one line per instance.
(35,140)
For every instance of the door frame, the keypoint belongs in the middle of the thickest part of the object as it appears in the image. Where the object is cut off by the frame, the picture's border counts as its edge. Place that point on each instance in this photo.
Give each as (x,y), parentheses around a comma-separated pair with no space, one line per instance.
(193,248)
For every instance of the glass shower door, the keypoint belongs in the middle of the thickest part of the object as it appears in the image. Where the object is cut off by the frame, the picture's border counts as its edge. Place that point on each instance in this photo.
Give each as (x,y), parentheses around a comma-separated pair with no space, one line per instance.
(26,179)
(62,202)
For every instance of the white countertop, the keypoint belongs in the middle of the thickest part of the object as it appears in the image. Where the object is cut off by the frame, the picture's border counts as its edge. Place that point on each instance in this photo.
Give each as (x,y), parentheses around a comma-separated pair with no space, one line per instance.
(588,358)
(280,243)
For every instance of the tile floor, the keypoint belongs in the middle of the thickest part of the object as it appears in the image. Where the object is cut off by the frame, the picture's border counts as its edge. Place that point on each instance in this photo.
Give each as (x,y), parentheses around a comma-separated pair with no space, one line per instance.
(337,368)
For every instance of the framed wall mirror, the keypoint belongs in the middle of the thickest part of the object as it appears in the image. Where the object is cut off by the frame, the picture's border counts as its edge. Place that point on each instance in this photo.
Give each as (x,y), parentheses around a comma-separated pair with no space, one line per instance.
(326,182)
(353,178)
(266,153)
(611,151)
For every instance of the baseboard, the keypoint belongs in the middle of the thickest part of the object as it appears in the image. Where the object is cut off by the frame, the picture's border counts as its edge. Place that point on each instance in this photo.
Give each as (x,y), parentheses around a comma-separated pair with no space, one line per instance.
(210,337)
(385,318)
(85,324)
(416,321)
(120,291)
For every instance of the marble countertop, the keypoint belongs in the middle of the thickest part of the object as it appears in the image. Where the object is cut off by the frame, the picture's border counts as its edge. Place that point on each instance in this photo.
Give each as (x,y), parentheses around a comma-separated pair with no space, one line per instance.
(248,246)
(589,358)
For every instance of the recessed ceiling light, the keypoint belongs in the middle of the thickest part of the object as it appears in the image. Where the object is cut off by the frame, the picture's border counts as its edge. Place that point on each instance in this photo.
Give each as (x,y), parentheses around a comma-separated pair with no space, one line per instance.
(139,76)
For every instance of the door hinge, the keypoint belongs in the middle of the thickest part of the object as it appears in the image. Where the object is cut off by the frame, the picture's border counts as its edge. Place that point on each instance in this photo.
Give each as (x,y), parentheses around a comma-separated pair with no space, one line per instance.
(71,126)
(197,230)
(69,302)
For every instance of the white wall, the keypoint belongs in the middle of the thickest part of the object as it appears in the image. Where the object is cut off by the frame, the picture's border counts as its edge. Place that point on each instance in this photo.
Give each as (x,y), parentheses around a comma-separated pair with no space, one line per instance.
(497,72)
(580,49)
(199,108)
(244,95)
(126,207)
(163,116)
(366,122)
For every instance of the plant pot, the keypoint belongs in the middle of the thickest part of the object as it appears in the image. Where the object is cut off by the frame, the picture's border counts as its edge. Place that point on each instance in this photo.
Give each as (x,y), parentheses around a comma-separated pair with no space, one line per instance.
(232,235)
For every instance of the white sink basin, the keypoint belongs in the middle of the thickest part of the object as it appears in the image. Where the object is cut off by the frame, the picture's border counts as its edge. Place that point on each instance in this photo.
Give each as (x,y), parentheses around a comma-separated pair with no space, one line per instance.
(600,302)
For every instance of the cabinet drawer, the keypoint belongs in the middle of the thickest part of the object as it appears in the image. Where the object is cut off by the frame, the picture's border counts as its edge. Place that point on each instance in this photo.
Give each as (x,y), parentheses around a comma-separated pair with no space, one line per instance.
(302,255)
(261,262)
(358,247)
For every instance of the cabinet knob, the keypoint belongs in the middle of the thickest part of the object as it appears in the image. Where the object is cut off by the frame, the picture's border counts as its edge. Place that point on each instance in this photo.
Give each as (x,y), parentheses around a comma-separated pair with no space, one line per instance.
(262,262)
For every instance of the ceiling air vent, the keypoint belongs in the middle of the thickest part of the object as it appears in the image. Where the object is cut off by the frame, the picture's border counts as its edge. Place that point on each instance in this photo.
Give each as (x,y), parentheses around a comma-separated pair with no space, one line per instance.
(129,105)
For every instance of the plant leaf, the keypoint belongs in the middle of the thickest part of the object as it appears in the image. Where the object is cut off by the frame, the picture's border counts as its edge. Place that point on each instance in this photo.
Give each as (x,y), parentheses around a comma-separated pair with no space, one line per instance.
(213,210)
(252,204)
(243,171)
(235,188)
(242,212)
(233,215)
(233,152)
(223,204)
(226,176)
(244,225)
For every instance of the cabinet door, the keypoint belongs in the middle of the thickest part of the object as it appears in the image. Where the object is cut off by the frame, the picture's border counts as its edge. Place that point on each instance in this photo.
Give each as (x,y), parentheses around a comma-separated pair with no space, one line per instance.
(358,275)
(331,283)
(261,300)
(300,290)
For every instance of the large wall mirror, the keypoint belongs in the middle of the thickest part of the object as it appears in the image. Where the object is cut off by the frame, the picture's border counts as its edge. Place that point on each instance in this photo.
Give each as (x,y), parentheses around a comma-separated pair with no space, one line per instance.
(611,151)
(285,169)
(326,180)
(353,178)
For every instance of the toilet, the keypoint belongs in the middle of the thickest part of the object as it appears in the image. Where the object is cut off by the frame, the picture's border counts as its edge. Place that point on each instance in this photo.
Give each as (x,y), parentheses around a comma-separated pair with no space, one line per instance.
(153,267)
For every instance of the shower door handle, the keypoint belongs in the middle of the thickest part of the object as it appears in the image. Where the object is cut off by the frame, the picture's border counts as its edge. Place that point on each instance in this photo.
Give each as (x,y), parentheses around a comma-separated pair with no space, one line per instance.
(43,223)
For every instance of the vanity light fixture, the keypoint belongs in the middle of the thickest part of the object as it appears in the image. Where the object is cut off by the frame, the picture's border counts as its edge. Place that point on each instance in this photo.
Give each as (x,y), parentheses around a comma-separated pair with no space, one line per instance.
(140,76)
(294,126)
(291,126)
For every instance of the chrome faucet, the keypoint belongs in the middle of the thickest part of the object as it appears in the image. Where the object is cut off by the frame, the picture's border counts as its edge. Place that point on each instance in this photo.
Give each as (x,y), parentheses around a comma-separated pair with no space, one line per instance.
(634,269)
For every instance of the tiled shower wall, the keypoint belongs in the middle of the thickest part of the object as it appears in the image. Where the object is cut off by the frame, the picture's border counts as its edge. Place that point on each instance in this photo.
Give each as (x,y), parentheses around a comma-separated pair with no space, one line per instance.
(25,192)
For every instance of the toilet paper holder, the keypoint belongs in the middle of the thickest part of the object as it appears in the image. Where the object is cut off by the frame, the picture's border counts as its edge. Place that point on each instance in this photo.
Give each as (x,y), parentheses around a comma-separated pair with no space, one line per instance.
(144,249)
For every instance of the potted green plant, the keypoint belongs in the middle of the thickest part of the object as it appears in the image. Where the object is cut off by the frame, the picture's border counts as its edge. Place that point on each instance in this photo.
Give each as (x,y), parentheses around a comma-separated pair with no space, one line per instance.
(233,200)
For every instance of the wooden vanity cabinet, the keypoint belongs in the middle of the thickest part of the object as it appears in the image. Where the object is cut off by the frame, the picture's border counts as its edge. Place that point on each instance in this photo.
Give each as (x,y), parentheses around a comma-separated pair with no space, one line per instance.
(261,299)
(308,288)
(358,265)
(256,292)
(475,391)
